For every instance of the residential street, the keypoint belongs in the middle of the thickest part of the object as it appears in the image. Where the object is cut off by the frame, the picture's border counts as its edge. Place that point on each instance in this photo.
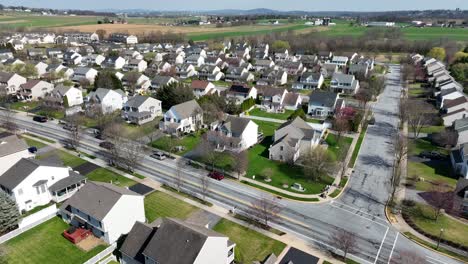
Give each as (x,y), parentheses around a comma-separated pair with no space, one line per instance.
(360,209)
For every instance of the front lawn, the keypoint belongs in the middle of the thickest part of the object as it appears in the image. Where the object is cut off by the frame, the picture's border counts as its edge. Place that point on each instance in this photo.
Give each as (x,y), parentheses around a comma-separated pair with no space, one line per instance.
(430,171)
(282,172)
(134,132)
(282,116)
(419,145)
(188,142)
(45,244)
(105,175)
(67,158)
(431,129)
(159,204)
(250,245)
(423,217)
(338,150)
(34,143)
(24,106)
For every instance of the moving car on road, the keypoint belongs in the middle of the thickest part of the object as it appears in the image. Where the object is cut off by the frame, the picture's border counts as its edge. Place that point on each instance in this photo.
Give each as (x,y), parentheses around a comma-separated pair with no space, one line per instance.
(158,155)
(40,119)
(216,175)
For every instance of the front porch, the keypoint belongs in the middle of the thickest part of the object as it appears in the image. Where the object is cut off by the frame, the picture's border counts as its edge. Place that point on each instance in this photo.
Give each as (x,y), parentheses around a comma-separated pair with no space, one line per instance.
(65,188)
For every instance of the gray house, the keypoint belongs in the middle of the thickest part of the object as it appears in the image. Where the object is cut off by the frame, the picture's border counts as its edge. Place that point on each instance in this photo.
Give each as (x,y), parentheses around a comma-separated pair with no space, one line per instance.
(344,83)
(323,104)
(141,109)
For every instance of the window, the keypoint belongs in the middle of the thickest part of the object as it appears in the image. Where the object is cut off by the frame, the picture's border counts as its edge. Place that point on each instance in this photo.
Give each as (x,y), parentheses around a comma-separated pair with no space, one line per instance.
(43,188)
(281,148)
(53,177)
(37,190)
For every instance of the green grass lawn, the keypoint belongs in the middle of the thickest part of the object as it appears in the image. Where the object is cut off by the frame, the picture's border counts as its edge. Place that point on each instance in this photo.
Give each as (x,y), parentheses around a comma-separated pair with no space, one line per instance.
(431,129)
(105,175)
(159,204)
(355,154)
(34,143)
(434,173)
(14,21)
(67,158)
(268,128)
(41,138)
(132,131)
(189,142)
(421,144)
(434,247)
(45,244)
(250,245)
(338,151)
(423,216)
(280,116)
(24,106)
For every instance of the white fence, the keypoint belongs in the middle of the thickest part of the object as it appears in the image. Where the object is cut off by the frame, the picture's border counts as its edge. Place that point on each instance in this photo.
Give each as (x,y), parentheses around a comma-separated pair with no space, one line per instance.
(31,224)
(101,254)
(38,216)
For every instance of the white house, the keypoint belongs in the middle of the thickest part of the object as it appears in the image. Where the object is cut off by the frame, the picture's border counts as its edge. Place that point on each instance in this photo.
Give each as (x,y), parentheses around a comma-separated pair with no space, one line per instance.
(323,104)
(115,62)
(241,92)
(33,183)
(309,80)
(459,159)
(169,240)
(136,65)
(94,59)
(182,118)
(84,73)
(141,109)
(11,82)
(344,83)
(72,58)
(160,81)
(202,88)
(34,89)
(12,149)
(233,133)
(109,211)
(340,61)
(41,68)
(108,100)
(141,84)
(461,127)
(69,95)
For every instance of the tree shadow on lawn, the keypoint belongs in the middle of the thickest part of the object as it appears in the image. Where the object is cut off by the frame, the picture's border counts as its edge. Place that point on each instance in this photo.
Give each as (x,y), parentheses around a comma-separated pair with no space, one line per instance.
(441,167)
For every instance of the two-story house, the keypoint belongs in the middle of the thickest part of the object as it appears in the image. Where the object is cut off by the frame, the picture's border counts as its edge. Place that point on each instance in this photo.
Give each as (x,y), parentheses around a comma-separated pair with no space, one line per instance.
(182,118)
(141,109)
(233,133)
(202,88)
(170,240)
(34,90)
(84,73)
(241,92)
(138,65)
(160,81)
(344,83)
(136,82)
(210,72)
(68,96)
(309,80)
(12,149)
(11,82)
(33,183)
(107,100)
(272,77)
(323,104)
(107,210)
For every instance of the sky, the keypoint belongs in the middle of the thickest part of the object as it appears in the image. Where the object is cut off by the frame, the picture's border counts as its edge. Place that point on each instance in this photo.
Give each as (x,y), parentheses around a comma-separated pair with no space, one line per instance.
(187,5)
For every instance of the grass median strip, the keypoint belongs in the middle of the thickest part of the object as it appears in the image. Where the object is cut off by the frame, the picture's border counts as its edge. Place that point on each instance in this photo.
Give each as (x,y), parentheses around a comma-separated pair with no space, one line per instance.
(357,147)
(41,138)
(281,194)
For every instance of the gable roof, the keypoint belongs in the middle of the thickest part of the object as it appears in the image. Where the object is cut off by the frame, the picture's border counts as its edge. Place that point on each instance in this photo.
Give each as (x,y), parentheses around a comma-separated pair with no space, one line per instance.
(236,125)
(21,170)
(343,78)
(96,199)
(198,84)
(454,102)
(461,124)
(138,100)
(62,89)
(30,84)
(137,240)
(327,99)
(187,109)
(10,144)
(176,241)
(270,91)
(239,88)
(5,76)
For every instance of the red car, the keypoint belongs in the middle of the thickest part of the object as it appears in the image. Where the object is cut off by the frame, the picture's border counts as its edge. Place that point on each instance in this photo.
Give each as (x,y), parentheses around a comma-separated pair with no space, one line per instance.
(75,235)
(216,175)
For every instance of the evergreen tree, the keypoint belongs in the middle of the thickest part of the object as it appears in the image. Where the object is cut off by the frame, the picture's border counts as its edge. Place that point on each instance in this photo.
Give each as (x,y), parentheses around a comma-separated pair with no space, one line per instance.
(9,214)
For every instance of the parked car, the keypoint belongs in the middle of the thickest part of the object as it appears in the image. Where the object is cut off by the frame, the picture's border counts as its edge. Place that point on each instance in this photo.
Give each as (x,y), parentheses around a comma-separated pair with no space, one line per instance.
(40,119)
(431,155)
(107,145)
(32,149)
(216,175)
(158,155)
(75,235)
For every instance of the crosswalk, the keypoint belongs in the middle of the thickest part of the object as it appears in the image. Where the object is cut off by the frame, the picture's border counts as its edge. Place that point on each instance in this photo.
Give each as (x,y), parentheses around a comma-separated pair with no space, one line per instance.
(385,252)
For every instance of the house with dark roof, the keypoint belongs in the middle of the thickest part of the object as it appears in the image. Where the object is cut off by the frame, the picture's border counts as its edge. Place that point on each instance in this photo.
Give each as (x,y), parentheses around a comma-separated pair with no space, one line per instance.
(12,149)
(452,105)
(202,88)
(182,118)
(173,241)
(238,74)
(84,73)
(66,96)
(292,139)
(138,65)
(233,133)
(136,82)
(324,104)
(210,72)
(34,90)
(344,83)
(107,210)
(160,81)
(141,109)
(241,92)
(459,160)
(460,203)
(272,77)
(11,82)
(33,183)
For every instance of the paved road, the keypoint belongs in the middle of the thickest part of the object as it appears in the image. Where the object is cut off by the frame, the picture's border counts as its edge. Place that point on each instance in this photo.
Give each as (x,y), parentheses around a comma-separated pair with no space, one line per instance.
(360,209)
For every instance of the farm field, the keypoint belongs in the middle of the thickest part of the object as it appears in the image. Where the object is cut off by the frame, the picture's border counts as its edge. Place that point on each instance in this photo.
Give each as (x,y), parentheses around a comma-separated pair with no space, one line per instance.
(36,21)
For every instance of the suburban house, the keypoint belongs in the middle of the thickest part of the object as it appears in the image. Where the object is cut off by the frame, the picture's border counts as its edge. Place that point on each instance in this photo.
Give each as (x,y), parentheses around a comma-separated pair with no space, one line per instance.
(291,67)
(41,68)
(108,100)
(233,133)
(452,105)
(358,69)
(141,109)
(448,94)
(12,149)
(238,74)
(160,81)
(123,38)
(169,240)
(461,127)
(113,62)
(67,96)
(460,203)
(33,183)
(195,59)
(34,90)
(72,58)
(292,139)
(107,210)
(328,70)
(309,80)
(136,82)
(182,118)
(272,99)
(84,74)
(202,88)
(262,64)
(185,71)
(273,77)
(450,118)
(11,82)
(138,65)
(344,83)
(324,104)
(340,61)
(241,92)
(93,59)
(459,159)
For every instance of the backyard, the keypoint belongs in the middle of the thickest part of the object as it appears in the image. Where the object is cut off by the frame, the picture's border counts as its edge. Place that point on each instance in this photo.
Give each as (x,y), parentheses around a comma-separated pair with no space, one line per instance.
(105,175)
(250,245)
(45,244)
(159,204)
(282,116)
(338,150)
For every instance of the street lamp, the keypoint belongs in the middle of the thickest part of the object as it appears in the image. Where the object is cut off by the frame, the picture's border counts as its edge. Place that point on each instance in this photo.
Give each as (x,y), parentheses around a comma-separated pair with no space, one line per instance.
(440,237)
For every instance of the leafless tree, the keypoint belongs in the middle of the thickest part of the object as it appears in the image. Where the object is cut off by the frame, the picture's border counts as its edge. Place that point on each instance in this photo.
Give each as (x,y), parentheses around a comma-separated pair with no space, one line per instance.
(204,186)
(408,257)
(400,148)
(132,78)
(131,153)
(266,209)
(441,197)
(9,121)
(74,123)
(364,96)
(341,126)
(315,163)
(206,152)
(344,241)
(403,109)
(241,163)
(179,176)
(416,113)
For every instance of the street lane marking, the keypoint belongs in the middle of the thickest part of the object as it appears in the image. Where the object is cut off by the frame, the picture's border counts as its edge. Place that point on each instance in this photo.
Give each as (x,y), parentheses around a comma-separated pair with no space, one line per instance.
(354,213)
(359,209)
(433,260)
(381,245)
(393,248)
